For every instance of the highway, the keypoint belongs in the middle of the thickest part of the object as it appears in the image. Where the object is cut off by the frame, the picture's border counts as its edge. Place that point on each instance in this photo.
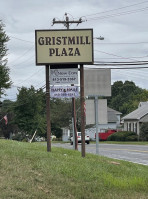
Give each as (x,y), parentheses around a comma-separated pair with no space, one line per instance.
(132,153)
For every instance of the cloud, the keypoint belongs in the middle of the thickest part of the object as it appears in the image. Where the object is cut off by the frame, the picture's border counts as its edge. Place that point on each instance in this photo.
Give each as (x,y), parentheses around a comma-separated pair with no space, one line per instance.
(117,21)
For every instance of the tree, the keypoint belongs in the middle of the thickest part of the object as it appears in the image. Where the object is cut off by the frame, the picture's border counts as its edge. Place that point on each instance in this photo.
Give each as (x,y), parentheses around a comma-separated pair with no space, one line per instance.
(5,82)
(126,96)
(30,111)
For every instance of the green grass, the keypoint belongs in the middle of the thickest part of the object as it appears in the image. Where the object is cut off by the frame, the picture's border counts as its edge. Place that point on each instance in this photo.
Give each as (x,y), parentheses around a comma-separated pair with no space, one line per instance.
(28,171)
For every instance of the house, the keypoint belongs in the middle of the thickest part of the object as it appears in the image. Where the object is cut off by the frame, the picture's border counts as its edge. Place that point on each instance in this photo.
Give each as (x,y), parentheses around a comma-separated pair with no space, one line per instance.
(113,122)
(65,134)
(133,120)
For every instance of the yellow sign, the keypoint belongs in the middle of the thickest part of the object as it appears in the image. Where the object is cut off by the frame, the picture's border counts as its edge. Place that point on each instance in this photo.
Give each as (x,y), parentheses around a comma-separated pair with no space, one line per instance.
(64,46)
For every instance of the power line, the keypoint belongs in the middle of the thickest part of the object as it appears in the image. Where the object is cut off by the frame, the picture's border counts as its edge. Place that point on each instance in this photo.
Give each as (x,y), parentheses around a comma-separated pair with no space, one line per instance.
(116,9)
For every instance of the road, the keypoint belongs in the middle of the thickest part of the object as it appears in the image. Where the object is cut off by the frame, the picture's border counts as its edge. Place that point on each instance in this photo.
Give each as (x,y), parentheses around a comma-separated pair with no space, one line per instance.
(133,153)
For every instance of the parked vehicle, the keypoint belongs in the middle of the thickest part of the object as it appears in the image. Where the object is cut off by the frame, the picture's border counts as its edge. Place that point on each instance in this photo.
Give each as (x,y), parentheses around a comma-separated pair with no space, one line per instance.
(87,138)
(104,135)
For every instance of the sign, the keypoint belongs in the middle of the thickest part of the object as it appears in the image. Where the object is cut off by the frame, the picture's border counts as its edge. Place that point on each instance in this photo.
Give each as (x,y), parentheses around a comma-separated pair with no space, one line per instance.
(64,76)
(64,46)
(97,82)
(64,91)
(102,111)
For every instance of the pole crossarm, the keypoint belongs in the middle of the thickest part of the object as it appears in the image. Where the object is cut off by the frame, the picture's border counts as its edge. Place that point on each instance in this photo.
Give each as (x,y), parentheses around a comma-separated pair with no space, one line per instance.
(67,21)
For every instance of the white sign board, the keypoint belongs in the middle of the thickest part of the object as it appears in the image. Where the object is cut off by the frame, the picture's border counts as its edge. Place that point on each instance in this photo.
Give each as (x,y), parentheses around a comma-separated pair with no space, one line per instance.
(64,91)
(64,76)
(64,46)
(97,82)
(102,111)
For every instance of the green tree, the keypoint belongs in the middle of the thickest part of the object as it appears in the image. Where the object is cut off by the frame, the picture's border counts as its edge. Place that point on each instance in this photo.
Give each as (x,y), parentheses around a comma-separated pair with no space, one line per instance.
(126,96)
(5,82)
(30,111)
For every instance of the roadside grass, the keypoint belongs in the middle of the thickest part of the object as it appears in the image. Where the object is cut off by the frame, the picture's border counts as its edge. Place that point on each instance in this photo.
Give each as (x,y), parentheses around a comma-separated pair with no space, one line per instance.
(28,171)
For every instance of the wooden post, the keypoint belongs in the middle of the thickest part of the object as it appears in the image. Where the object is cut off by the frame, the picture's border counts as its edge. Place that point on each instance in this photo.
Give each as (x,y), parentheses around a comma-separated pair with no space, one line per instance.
(82,110)
(48,110)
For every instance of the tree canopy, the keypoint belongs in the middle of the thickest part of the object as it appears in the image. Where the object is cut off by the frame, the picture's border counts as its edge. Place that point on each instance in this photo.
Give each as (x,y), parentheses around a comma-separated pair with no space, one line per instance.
(30,110)
(126,96)
(5,82)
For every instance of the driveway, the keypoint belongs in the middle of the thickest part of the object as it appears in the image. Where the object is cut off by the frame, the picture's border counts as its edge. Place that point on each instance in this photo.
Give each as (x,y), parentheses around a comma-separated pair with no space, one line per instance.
(132,153)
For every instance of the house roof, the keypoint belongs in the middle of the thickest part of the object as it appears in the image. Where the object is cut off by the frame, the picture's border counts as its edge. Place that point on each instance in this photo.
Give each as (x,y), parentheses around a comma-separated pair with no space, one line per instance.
(143,103)
(138,113)
(112,115)
(112,110)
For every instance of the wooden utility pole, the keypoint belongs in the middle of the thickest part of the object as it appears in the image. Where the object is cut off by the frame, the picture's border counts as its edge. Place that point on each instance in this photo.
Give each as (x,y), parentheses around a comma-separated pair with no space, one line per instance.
(66,23)
(48,110)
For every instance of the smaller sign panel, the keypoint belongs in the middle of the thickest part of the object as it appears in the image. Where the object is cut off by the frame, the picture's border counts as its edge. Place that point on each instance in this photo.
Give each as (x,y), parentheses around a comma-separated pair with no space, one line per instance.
(64,76)
(64,91)
(102,111)
(97,82)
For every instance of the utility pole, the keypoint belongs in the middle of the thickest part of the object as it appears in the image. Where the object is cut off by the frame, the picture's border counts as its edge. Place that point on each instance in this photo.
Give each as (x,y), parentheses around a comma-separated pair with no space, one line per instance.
(67,23)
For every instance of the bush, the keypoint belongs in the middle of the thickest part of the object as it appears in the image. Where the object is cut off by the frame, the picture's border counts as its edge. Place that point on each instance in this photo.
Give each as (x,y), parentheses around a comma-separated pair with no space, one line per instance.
(144,132)
(123,136)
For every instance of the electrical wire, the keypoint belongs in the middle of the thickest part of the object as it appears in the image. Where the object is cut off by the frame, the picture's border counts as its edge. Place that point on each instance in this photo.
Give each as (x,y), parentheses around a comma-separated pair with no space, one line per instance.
(104,12)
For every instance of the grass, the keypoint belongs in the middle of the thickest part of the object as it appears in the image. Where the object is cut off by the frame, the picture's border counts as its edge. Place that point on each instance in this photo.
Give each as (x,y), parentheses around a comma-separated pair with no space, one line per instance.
(28,171)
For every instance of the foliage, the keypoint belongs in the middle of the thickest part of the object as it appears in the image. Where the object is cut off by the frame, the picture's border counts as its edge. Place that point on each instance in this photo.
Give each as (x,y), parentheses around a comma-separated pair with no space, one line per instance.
(11,127)
(123,136)
(126,96)
(56,130)
(144,132)
(30,111)
(5,82)
(61,112)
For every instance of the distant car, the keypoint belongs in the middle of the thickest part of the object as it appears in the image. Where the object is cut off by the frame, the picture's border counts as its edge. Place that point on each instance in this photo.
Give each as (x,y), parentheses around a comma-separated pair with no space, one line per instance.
(87,138)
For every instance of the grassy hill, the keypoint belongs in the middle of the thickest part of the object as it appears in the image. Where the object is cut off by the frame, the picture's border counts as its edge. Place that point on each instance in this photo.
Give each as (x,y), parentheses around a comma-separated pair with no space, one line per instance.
(28,171)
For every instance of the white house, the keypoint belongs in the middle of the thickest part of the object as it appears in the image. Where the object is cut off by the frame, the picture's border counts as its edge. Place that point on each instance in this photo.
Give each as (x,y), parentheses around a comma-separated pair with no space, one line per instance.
(113,122)
(133,120)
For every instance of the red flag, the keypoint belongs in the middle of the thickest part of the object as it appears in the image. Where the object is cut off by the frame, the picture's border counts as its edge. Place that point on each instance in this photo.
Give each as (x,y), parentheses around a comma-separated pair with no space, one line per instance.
(6,119)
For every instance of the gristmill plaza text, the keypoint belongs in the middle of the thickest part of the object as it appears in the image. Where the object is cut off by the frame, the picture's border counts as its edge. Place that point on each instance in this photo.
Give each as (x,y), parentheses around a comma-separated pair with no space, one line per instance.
(64,41)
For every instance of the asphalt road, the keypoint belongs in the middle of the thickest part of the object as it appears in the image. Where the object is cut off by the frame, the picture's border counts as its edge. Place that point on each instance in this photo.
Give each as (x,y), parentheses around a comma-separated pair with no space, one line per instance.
(132,153)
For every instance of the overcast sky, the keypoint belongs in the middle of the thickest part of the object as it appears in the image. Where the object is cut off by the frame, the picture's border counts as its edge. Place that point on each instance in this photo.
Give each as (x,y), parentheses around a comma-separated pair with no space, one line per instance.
(122,23)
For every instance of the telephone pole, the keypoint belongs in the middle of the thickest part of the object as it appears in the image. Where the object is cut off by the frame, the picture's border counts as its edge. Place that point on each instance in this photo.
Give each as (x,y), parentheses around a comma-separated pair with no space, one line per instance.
(67,23)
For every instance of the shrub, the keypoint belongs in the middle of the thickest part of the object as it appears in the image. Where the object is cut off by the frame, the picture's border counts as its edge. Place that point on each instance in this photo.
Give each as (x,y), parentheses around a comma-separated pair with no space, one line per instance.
(123,136)
(144,132)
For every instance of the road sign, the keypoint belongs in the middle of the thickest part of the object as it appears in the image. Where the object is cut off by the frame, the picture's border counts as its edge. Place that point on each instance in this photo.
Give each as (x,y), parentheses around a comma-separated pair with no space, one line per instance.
(64,91)
(64,76)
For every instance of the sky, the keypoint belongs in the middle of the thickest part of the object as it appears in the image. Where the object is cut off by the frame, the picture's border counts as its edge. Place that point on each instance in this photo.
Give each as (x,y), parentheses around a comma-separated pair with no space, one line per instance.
(122,23)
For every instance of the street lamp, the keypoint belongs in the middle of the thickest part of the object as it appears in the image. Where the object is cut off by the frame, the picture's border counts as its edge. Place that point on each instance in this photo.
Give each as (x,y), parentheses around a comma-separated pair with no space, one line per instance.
(100,38)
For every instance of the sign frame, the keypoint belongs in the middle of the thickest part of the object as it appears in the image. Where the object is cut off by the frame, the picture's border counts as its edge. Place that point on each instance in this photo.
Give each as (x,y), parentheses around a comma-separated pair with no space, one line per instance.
(59,31)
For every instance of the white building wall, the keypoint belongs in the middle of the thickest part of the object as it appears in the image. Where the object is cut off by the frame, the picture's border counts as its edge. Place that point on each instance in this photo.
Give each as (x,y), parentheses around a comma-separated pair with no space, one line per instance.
(66,135)
(91,131)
